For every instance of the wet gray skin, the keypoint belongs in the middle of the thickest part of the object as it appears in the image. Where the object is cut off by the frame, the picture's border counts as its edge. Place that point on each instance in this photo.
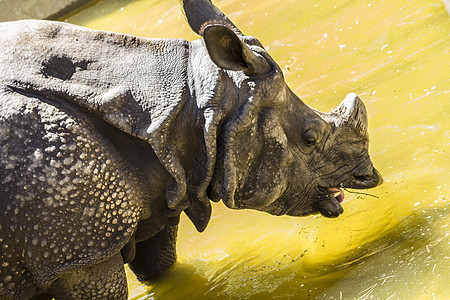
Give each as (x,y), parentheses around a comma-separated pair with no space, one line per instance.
(107,138)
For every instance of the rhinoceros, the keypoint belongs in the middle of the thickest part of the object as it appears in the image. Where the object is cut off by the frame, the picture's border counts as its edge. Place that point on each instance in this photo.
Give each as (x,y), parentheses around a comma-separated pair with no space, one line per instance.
(107,138)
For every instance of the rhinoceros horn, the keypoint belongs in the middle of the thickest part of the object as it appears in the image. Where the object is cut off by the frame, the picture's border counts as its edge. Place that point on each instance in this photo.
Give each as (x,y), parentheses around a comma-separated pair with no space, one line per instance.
(200,12)
(353,113)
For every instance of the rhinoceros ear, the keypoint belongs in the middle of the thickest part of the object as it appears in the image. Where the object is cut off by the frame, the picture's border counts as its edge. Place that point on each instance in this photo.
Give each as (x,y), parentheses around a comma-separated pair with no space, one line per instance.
(200,12)
(229,52)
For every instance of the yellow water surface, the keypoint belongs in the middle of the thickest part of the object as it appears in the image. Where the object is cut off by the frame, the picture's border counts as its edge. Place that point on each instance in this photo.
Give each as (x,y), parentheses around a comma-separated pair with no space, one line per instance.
(391,244)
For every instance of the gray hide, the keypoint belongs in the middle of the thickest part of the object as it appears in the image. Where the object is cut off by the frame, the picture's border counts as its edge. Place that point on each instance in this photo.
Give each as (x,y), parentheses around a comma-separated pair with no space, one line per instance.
(107,138)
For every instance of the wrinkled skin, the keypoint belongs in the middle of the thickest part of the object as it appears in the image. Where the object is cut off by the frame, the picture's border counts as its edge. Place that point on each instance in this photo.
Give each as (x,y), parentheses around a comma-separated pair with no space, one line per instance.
(107,138)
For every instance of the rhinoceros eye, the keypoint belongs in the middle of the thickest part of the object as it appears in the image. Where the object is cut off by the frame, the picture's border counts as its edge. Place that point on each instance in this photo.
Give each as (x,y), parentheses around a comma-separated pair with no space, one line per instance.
(310,137)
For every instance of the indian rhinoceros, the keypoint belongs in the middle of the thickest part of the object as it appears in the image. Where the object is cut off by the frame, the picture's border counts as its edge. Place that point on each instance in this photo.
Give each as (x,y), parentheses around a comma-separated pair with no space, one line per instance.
(107,138)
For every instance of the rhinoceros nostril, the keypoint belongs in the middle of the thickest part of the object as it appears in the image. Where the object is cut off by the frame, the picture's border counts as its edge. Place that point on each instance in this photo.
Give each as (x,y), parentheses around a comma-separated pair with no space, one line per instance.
(365,174)
(367,180)
(363,178)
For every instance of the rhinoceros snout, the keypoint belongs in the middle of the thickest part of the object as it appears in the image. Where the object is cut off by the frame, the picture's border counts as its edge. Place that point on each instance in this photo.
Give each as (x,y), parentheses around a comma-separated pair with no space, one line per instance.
(367,179)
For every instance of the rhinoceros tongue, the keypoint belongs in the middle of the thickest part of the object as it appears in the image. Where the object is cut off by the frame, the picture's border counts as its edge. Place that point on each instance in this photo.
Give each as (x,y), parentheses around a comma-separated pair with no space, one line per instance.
(329,206)
(337,193)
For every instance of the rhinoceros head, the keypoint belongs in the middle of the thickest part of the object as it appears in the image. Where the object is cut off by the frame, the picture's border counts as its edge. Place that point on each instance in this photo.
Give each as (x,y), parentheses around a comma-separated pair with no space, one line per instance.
(274,153)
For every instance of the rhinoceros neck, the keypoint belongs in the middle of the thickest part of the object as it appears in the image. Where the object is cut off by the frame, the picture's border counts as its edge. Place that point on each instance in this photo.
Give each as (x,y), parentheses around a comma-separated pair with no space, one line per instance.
(209,85)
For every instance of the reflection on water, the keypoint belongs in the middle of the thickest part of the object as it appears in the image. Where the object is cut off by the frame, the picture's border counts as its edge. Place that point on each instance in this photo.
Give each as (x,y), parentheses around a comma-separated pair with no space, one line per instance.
(391,244)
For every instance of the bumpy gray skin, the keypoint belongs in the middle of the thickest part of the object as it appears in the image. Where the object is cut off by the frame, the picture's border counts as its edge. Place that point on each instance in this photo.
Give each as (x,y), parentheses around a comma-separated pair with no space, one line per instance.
(105,139)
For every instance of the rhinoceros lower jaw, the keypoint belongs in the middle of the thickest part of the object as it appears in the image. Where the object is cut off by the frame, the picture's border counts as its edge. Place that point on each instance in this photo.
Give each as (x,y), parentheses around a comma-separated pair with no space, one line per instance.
(330,206)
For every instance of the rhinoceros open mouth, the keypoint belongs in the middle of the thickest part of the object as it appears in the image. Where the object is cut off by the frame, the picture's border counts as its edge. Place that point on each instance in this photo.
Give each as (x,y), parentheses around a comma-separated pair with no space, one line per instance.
(329,205)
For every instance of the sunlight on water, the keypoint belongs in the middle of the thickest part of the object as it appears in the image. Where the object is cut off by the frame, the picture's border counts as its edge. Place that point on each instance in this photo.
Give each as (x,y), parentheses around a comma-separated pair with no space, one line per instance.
(391,244)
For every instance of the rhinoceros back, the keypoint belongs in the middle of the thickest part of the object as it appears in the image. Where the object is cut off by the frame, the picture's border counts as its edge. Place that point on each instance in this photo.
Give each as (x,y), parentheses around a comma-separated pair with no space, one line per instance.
(134,83)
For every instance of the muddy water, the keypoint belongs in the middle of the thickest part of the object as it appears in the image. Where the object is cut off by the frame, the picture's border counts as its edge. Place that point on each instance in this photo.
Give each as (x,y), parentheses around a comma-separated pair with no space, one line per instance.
(391,244)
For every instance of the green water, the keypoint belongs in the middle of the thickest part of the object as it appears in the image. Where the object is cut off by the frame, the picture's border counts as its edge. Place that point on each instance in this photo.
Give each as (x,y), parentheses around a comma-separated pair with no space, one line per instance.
(392,244)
